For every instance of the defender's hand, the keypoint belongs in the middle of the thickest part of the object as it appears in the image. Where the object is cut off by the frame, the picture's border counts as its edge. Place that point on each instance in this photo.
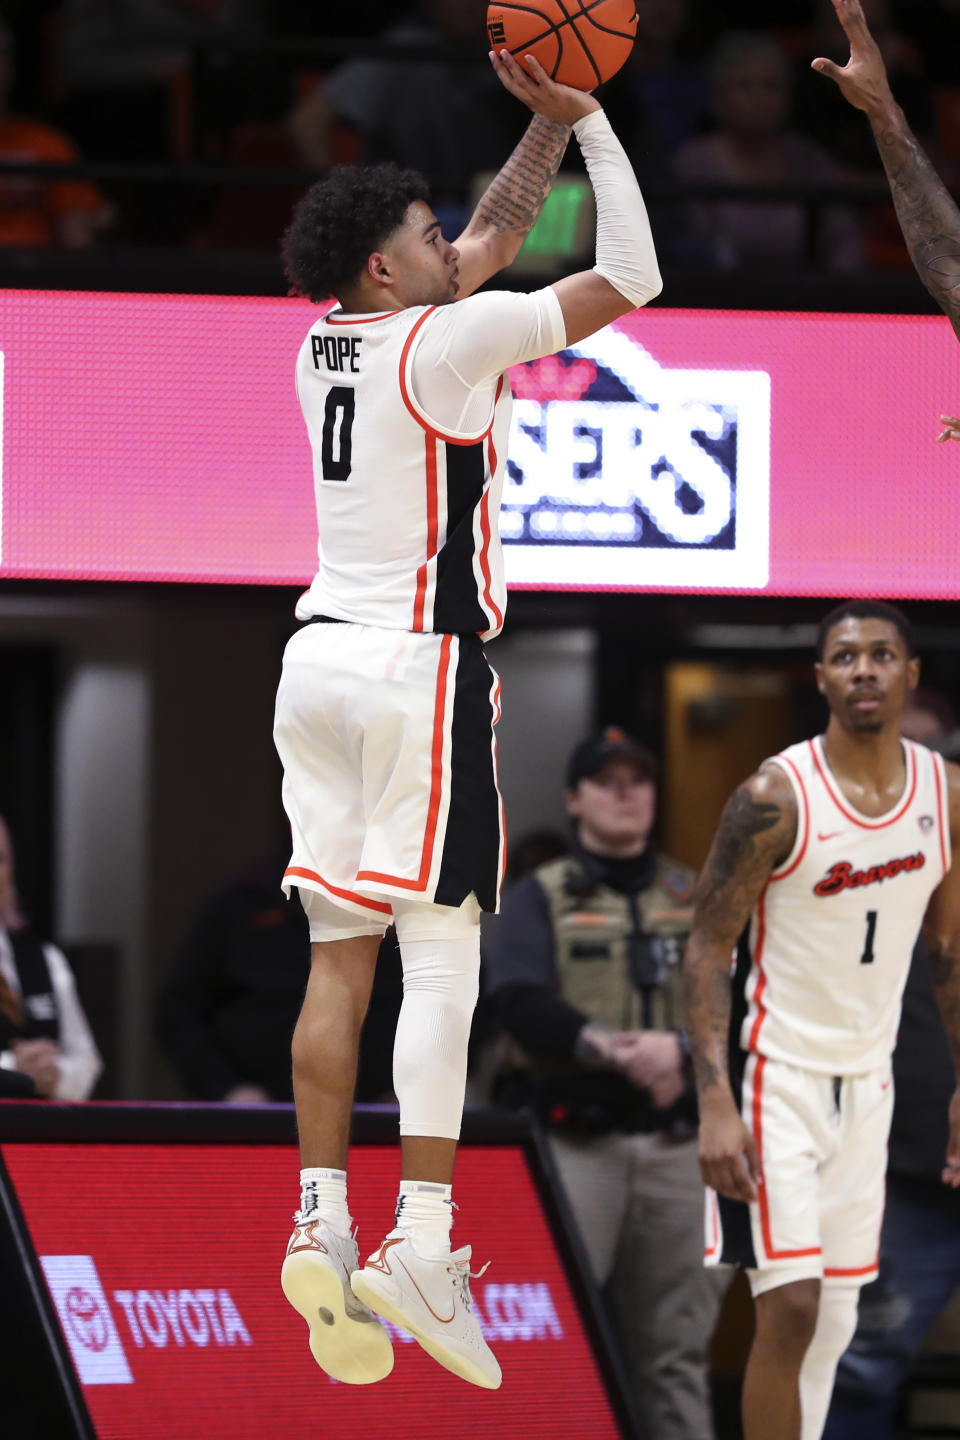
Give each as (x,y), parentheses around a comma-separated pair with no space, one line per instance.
(951,1171)
(531,84)
(863,80)
(729,1162)
(952,431)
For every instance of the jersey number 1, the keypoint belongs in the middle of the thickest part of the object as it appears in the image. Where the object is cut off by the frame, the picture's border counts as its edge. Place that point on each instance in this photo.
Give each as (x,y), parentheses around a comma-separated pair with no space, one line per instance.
(340,405)
(867,957)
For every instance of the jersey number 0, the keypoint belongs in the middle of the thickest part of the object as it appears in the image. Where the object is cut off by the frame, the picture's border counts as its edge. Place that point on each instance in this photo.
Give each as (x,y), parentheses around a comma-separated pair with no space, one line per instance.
(339,408)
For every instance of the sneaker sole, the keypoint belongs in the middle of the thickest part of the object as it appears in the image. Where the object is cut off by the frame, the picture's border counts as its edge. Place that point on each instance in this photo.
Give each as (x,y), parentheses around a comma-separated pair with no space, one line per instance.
(460,1365)
(356,1352)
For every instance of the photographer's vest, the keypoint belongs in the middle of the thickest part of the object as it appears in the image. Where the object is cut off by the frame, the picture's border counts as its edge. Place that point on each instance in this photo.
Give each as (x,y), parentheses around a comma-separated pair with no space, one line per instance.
(617,956)
(36,1003)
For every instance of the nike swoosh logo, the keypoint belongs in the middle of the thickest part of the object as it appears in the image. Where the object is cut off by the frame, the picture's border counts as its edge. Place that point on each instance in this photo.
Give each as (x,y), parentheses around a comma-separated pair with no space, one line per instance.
(453,1308)
(832,836)
(885,1085)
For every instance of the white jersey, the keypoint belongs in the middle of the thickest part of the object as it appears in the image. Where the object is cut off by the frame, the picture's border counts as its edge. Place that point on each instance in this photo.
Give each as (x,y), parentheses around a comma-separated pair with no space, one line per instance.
(408,415)
(822,969)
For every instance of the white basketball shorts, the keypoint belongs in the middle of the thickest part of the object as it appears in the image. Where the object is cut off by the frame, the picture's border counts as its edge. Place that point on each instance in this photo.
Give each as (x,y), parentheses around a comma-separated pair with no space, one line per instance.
(823,1154)
(390,767)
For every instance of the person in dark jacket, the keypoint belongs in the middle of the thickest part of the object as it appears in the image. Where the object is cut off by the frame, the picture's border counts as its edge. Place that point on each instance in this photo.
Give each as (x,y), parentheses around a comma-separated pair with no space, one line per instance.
(226,1013)
(228,1008)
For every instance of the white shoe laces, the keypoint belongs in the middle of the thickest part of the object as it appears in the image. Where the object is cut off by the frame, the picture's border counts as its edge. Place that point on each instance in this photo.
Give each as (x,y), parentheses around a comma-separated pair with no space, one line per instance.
(462,1275)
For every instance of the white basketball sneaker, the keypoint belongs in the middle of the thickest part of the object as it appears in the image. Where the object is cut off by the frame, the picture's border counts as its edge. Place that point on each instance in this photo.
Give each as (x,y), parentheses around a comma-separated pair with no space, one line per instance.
(346,1341)
(431,1299)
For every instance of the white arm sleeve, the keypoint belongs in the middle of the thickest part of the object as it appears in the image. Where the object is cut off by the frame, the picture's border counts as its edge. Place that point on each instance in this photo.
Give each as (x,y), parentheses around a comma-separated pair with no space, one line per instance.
(467,345)
(626,257)
(79,1058)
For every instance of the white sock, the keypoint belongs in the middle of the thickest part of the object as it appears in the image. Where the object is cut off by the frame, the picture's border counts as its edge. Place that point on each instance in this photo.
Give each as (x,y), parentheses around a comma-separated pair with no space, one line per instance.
(323,1196)
(425,1215)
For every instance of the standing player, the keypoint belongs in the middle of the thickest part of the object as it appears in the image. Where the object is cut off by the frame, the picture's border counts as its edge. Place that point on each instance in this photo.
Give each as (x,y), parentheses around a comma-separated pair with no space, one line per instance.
(823,868)
(386,706)
(928,215)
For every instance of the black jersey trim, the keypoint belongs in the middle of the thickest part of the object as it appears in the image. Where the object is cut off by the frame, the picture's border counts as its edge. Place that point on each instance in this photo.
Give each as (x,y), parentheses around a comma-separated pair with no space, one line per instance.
(473,838)
(456,603)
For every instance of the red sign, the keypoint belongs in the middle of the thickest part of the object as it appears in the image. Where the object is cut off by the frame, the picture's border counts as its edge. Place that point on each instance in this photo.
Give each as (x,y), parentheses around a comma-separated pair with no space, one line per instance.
(165,1272)
(159,438)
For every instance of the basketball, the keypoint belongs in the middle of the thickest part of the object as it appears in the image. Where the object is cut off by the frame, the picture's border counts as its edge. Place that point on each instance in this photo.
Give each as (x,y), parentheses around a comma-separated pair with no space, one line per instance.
(578,42)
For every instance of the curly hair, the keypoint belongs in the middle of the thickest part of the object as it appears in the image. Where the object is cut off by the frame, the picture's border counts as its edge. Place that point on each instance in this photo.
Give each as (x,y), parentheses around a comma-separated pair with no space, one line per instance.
(341,220)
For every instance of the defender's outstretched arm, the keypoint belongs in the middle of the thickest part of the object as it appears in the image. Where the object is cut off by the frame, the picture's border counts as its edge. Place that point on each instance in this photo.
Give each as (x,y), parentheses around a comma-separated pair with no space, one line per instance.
(929,218)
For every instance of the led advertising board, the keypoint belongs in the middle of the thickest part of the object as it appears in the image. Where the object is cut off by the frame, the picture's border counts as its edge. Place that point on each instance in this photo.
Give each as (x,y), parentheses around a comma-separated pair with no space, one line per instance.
(159,438)
(164,1274)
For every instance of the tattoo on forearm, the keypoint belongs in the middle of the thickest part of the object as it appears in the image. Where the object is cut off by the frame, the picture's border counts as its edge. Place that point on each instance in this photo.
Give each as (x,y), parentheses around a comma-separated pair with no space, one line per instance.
(515,198)
(734,874)
(708,1020)
(928,216)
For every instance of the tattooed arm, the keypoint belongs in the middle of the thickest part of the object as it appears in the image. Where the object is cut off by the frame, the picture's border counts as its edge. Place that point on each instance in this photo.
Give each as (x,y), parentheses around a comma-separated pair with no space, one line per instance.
(626,274)
(929,218)
(941,937)
(756,832)
(510,205)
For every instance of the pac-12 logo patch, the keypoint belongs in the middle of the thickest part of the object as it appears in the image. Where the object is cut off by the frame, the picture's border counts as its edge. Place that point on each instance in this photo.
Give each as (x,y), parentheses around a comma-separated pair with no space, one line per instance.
(926,822)
(622,471)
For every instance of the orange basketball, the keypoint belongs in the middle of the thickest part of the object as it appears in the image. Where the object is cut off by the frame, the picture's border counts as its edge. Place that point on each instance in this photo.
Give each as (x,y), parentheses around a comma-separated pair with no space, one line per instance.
(578,42)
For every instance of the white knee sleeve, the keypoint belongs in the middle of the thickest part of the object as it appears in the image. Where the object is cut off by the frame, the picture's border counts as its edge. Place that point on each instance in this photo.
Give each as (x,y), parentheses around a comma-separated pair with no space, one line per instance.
(836,1322)
(440,951)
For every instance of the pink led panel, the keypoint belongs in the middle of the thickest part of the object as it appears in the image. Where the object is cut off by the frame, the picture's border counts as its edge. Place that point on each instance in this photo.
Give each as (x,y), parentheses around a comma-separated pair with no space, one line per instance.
(159,438)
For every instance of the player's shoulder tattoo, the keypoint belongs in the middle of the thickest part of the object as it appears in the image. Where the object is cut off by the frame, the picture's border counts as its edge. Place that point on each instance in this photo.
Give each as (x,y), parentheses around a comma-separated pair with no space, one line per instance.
(757,827)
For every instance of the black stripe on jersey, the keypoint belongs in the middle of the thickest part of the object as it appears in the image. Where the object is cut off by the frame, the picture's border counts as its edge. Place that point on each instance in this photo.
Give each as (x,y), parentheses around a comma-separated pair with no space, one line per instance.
(471,845)
(737,1234)
(456,606)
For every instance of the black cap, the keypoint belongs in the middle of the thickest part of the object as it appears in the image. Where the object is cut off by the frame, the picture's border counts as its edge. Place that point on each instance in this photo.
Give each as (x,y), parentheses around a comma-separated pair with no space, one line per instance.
(612,743)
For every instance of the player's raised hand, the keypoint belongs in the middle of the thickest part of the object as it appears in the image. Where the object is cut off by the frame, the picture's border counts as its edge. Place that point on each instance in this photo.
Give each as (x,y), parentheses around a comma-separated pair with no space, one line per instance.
(531,84)
(952,432)
(729,1161)
(951,1171)
(863,80)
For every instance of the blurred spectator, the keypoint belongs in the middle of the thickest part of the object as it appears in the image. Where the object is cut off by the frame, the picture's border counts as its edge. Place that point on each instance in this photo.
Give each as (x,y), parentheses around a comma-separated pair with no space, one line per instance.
(126,67)
(935,25)
(751,145)
(46,1047)
(920,1244)
(659,99)
(36,212)
(585,976)
(226,1014)
(533,849)
(449,119)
